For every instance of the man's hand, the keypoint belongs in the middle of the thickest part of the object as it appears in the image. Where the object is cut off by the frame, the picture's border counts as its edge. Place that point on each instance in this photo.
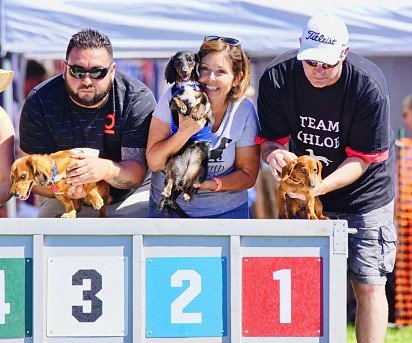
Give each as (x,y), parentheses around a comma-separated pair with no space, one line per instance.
(320,189)
(277,159)
(86,169)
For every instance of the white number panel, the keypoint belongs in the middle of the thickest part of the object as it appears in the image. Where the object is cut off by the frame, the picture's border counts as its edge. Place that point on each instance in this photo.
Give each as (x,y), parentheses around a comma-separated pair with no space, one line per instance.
(87,296)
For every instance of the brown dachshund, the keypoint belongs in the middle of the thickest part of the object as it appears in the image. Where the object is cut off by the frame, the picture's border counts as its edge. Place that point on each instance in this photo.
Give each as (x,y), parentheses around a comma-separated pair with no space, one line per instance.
(300,176)
(50,171)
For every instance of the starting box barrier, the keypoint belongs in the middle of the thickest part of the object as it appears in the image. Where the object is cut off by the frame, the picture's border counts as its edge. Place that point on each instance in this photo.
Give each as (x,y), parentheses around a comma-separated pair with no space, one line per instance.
(172,280)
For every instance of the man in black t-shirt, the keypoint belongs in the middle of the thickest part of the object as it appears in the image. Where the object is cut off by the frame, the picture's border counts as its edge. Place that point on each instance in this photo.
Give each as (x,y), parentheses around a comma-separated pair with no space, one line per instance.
(92,106)
(334,105)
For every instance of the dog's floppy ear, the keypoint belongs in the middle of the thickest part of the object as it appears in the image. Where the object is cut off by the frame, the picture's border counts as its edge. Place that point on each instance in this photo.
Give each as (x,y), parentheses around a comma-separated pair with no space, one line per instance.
(288,169)
(319,163)
(170,71)
(195,72)
(41,169)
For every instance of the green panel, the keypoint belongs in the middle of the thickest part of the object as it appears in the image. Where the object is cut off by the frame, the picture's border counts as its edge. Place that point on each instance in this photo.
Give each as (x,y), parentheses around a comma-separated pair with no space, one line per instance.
(18,293)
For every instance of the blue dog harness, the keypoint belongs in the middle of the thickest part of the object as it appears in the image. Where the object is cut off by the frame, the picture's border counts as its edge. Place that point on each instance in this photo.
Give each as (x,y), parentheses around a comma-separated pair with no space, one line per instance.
(204,135)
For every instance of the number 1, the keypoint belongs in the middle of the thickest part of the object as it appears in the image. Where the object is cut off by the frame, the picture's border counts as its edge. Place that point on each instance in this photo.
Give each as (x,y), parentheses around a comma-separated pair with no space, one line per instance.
(285,295)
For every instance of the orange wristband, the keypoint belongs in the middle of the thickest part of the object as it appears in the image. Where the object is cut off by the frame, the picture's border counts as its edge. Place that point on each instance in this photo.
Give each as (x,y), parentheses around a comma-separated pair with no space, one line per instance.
(219,184)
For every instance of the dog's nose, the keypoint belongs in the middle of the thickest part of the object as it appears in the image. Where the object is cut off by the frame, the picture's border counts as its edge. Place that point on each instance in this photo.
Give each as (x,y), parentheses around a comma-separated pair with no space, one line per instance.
(16,195)
(312,184)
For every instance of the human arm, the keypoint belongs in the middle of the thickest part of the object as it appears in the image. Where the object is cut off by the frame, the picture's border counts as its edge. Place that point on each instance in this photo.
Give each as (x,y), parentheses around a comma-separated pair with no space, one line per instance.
(274,127)
(351,169)
(131,171)
(6,154)
(127,174)
(241,152)
(35,137)
(369,138)
(245,173)
(161,145)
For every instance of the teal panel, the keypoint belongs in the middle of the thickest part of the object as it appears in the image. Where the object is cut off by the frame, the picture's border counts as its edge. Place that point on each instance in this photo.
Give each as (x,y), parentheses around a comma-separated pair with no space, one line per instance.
(16,301)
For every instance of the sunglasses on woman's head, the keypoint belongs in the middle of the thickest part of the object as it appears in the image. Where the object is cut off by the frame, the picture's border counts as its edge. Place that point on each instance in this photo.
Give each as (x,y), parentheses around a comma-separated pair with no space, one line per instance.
(227,40)
(314,64)
(94,73)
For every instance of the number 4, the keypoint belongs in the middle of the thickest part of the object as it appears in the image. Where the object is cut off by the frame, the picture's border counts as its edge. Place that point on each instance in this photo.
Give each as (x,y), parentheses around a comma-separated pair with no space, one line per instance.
(285,294)
(4,307)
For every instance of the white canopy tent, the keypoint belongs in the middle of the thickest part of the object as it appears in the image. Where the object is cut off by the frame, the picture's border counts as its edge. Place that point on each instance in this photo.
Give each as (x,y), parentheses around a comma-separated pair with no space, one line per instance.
(158,28)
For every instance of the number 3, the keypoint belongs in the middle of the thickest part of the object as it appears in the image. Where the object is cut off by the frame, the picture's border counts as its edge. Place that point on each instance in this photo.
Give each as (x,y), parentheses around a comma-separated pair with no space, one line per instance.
(90,295)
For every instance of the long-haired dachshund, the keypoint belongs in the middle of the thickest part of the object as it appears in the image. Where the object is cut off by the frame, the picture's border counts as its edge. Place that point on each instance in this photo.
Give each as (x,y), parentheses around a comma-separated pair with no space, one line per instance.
(49,171)
(300,176)
(189,165)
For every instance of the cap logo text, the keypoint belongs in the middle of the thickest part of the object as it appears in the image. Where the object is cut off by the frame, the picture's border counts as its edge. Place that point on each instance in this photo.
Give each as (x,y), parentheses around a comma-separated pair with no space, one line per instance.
(317,37)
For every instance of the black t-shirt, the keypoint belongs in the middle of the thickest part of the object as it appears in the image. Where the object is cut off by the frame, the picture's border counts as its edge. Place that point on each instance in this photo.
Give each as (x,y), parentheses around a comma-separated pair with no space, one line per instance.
(352,114)
(50,121)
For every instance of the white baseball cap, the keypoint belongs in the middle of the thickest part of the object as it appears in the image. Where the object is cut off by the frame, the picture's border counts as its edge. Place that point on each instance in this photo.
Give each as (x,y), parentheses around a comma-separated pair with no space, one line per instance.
(323,39)
(5,79)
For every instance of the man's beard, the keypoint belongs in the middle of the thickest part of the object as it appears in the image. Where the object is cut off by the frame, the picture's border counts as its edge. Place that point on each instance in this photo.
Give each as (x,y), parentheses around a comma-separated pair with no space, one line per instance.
(88,102)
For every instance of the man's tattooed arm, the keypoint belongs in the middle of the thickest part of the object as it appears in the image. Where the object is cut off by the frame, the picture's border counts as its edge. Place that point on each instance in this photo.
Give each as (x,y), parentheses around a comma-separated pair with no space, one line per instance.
(132,170)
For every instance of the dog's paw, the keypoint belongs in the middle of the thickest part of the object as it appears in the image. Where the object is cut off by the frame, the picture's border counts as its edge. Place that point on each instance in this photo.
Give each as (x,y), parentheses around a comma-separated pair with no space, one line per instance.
(322,217)
(282,216)
(71,214)
(186,197)
(98,204)
(312,216)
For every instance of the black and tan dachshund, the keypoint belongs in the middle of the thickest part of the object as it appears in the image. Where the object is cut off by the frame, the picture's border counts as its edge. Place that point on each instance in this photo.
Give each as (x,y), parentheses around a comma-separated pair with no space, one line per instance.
(189,165)
(182,67)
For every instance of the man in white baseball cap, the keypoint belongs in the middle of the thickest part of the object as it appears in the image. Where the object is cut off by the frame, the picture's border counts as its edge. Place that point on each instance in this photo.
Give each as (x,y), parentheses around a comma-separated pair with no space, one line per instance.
(324,39)
(334,106)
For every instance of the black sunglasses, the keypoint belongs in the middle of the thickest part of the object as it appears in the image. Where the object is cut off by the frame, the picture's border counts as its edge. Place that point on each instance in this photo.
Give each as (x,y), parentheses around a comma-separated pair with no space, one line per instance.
(80,72)
(314,64)
(227,40)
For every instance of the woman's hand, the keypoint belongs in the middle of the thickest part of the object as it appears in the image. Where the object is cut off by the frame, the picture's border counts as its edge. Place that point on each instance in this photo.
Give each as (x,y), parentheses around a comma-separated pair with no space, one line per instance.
(189,126)
(209,185)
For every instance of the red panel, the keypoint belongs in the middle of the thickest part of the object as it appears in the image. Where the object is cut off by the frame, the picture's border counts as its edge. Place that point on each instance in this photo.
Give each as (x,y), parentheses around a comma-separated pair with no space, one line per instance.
(261,296)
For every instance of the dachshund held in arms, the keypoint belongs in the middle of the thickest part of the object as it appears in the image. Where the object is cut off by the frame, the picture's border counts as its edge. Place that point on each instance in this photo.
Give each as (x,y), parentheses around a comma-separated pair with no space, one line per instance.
(189,164)
(300,176)
(49,171)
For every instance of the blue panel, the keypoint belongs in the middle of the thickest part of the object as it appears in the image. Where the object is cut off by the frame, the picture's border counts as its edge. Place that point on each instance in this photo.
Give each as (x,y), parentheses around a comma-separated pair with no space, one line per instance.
(194,308)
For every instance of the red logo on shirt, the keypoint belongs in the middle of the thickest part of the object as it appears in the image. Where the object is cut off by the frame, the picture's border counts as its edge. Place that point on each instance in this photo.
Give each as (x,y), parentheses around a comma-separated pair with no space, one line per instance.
(108,126)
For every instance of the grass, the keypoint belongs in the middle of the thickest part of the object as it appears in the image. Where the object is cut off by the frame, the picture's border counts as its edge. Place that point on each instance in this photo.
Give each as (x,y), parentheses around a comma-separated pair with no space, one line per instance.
(394,335)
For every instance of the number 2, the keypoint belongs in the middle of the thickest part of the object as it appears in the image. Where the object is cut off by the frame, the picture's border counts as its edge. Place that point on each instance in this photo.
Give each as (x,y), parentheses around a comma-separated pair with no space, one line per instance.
(178,305)
(285,294)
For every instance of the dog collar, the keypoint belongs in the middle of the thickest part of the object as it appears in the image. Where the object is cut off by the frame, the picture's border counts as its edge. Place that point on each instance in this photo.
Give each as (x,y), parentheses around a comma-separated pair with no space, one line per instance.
(193,84)
(55,178)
